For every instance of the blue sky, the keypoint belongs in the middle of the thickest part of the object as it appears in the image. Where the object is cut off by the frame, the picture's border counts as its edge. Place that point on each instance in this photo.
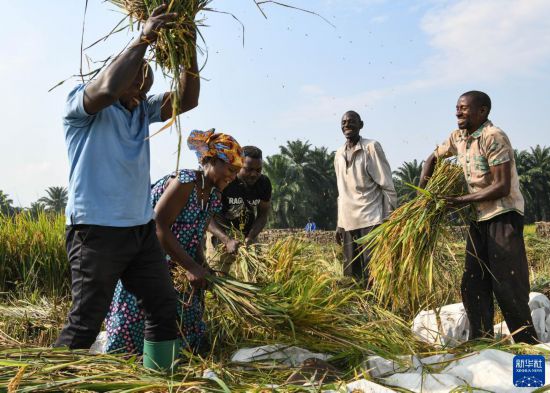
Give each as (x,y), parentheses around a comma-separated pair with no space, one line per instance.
(400,64)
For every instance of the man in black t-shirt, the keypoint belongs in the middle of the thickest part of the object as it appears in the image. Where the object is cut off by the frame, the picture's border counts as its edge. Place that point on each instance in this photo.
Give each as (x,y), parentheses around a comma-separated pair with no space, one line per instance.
(246,203)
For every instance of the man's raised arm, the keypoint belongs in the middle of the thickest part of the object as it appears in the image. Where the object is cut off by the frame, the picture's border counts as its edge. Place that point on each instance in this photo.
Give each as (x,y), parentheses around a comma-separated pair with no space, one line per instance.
(189,89)
(123,71)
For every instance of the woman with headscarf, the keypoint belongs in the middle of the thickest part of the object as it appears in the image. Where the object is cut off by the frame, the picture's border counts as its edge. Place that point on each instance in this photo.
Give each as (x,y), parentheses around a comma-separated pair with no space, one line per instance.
(184,202)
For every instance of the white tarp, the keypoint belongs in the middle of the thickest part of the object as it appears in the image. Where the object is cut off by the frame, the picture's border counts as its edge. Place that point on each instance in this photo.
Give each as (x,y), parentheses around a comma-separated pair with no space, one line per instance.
(450,326)
(489,369)
(379,367)
(538,300)
(426,383)
(290,356)
(364,386)
(361,386)
(100,344)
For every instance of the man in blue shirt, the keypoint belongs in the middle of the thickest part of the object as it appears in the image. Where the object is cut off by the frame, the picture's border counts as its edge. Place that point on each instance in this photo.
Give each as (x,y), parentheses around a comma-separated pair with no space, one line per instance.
(310,226)
(111,234)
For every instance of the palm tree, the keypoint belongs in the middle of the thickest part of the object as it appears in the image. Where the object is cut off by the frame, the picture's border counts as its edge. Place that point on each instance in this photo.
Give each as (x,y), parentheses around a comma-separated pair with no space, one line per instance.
(5,203)
(56,199)
(525,183)
(36,208)
(308,185)
(297,151)
(285,193)
(534,175)
(322,192)
(408,173)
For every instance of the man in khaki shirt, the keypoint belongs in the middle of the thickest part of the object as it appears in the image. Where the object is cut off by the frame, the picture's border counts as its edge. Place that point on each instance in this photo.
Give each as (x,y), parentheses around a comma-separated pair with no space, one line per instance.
(495,251)
(366,194)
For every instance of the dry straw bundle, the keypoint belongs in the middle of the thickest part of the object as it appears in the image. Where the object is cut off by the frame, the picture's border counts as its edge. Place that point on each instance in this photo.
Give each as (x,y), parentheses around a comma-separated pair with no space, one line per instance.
(299,300)
(406,248)
(175,46)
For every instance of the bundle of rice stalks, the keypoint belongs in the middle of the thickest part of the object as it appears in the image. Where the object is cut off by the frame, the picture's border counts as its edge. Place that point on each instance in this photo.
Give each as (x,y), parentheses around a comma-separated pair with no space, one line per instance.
(54,369)
(262,263)
(404,249)
(234,307)
(175,46)
(249,264)
(328,317)
(248,302)
(304,304)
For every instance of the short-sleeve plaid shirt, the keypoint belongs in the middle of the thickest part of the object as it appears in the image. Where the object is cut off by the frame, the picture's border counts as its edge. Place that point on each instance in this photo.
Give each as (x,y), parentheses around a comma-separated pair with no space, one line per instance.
(486,147)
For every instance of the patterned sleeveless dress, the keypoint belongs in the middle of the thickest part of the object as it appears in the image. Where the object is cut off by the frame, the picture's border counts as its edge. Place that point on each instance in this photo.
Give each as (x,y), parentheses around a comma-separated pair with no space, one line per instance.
(125,321)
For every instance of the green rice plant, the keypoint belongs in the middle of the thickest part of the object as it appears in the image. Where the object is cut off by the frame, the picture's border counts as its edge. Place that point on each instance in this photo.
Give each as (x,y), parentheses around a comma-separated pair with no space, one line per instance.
(538,255)
(304,304)
(405,249)
(302,299)
(538,252)
(249,263)
(273,262)
(530,229)
(32,255)
(450,266)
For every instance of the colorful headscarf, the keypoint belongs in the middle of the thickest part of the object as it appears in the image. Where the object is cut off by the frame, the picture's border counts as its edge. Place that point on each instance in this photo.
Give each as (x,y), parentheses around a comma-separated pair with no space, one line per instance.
(222,146)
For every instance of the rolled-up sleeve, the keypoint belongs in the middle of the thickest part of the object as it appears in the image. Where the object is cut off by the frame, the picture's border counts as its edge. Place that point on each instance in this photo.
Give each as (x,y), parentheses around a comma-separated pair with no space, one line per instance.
(499,149)
(380,172)
(447,148)
(75,115)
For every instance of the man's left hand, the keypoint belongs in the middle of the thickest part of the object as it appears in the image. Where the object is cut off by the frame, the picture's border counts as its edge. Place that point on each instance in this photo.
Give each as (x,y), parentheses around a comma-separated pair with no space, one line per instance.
(158,20)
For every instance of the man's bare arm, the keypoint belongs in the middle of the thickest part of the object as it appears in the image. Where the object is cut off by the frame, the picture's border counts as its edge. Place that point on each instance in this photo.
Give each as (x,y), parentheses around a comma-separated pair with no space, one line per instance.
(427,170)
(189,90)
(259,223)
(122,72)
(231,245)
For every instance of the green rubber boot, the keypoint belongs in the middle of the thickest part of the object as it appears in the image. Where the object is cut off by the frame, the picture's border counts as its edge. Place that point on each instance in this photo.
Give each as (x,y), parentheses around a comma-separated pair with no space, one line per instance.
(160,355)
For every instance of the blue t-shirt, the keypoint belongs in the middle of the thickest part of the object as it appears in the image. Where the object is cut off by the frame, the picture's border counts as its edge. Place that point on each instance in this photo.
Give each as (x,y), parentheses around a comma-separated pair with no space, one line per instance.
(310,227)
(109,159)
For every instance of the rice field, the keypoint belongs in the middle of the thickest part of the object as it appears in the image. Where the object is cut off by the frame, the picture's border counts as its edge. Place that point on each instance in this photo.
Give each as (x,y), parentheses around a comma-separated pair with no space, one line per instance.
(32,251)
(295,295)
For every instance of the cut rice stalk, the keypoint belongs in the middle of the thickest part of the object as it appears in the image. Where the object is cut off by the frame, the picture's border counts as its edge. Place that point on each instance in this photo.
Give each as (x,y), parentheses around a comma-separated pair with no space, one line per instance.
(405,248)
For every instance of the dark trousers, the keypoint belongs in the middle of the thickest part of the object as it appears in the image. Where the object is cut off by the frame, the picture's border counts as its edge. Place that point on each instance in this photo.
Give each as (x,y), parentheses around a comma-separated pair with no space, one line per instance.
(496,263)
(356,257)
(99,256)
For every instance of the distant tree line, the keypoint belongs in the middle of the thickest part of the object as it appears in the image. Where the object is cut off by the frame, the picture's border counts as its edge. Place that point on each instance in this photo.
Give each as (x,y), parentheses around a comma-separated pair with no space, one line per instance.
(54,201)
(304,186)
